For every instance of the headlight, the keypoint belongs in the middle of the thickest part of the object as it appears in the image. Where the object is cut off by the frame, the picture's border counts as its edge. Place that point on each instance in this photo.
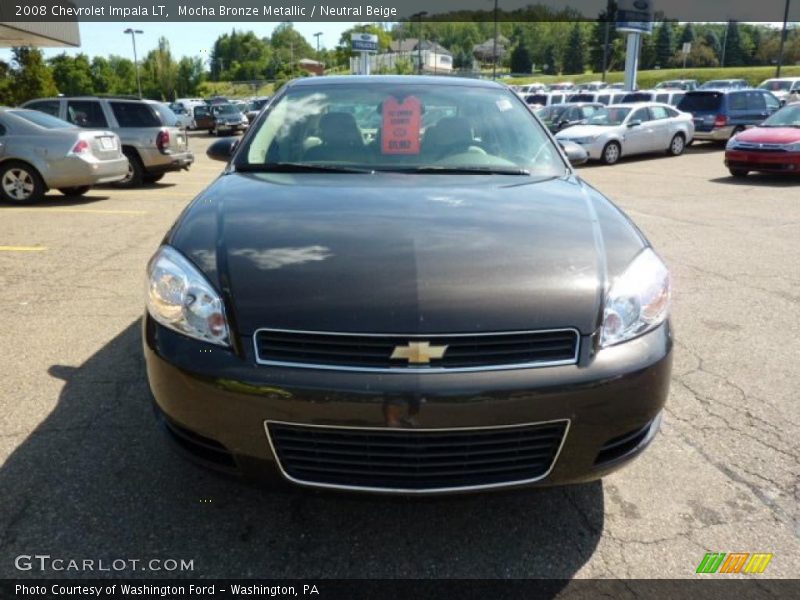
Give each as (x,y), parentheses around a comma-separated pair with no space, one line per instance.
(792,147)
(638,300)
(180,297)
(732,143)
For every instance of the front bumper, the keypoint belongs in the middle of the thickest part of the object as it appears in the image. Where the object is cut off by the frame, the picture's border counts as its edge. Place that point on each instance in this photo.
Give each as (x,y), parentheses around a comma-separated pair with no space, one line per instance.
(216,403)
(774,162)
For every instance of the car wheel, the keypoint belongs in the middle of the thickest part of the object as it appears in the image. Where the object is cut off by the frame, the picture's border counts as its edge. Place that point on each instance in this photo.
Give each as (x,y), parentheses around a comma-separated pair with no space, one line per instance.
(739,173)
(135,171)
(20,183)
(677,145)
(153,178)
(75,191)
(611,153)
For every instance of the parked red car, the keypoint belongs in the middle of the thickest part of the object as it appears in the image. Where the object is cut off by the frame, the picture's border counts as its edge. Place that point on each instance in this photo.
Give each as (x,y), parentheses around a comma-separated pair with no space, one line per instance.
(773,146)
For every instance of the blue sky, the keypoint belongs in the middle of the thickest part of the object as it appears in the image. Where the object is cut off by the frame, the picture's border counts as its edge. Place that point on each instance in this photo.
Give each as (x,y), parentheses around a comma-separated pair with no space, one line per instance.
(186,39)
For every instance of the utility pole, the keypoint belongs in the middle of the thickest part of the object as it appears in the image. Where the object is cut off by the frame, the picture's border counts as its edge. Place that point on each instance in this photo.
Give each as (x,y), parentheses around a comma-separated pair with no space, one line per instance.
(605,40)
(725,44)
(419,16)
(494,46)
(133,33)
(316,35)
(783,39)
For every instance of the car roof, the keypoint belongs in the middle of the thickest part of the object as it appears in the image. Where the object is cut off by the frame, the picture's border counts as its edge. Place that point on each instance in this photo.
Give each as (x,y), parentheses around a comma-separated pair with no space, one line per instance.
(396,80)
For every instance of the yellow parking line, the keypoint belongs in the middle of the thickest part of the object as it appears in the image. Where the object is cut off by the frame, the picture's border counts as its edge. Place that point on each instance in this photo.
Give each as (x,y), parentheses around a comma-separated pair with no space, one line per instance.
(22,248)
(96,211)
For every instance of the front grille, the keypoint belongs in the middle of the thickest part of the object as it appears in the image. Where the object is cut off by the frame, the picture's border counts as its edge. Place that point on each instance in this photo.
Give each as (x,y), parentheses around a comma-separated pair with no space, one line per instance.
(415,460)
(372,352)
(751,147)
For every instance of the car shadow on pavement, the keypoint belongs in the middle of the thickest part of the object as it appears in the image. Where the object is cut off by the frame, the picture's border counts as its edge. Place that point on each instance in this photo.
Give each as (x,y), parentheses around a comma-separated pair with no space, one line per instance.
(762,179)
(97,480)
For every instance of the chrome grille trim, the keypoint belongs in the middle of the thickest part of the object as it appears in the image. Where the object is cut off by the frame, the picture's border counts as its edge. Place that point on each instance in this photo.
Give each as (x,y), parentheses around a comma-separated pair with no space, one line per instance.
(417,336)
(412,491)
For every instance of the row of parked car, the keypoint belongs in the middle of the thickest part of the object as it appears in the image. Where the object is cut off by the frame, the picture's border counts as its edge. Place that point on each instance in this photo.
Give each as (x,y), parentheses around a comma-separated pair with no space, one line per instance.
(73,143)
(218,115)
(760,135)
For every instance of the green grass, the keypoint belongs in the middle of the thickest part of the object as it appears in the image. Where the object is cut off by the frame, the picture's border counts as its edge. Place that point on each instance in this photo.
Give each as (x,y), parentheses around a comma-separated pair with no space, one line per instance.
(648,79)
(232,90)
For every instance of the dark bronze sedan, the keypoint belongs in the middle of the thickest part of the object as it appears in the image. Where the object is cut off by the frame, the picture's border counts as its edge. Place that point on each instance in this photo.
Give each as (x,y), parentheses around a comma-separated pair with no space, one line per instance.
(368,299)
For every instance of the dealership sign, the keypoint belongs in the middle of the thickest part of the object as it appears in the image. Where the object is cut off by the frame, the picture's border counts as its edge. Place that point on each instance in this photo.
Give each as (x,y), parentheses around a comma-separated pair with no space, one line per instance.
(364,42)
(635,16)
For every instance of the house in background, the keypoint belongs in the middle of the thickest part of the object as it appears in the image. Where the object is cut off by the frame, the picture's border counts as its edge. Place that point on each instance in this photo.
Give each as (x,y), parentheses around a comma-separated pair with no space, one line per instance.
(311,66)
(435,57)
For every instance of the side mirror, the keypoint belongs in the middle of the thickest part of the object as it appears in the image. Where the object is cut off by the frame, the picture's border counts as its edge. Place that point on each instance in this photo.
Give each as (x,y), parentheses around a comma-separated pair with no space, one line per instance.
(635,123)
(222,149)
(575,153)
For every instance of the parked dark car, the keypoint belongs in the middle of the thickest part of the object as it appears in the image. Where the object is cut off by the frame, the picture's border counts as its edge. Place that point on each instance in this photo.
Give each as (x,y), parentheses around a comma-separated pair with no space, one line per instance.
(562,116)
(720,114)
(774,146)
(203,119)
(254,107)
(725,84)
(227,118)
(423,312)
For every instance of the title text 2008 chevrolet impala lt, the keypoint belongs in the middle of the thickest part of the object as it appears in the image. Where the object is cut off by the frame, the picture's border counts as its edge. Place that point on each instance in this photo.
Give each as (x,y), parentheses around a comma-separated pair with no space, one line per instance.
(399,285)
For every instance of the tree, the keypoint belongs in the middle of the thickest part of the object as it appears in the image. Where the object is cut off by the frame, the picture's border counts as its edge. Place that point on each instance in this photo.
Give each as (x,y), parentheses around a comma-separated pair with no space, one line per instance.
(700,56)
(72,74)
(604,21)
(711,40)
(687,35)
(521,60)
(190,76)
(664,44)
(288,46)
(574,61)
(31,77)
(160,72)
(549,61)
(647,54)
(734,52)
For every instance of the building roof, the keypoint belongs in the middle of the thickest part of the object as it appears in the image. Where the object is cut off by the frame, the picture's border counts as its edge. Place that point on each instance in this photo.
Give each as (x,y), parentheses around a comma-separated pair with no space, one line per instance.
(410,45)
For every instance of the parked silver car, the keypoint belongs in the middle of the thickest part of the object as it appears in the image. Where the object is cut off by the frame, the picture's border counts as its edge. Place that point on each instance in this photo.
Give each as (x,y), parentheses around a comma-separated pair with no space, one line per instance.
(153,145)
(625,129)
(39,152)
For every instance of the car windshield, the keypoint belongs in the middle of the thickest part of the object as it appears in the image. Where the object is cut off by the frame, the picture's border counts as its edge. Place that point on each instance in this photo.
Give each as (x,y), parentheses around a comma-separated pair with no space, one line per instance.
(788,116)
(226,109)
(700,102)
(551,113)
(776,86)
(389,126)
(718,83)
(610,117)
(41,119)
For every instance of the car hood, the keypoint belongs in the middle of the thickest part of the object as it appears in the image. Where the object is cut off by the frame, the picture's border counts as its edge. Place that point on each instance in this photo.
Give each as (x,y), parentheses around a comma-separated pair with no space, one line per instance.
(770,135)
(579,131)
(393,253)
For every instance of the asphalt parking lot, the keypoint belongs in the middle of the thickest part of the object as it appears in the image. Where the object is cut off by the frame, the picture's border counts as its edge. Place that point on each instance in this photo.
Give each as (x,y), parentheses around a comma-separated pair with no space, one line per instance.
(87,475)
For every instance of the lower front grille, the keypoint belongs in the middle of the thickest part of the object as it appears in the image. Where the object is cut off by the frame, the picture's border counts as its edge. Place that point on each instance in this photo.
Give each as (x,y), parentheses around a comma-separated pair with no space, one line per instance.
(416,461)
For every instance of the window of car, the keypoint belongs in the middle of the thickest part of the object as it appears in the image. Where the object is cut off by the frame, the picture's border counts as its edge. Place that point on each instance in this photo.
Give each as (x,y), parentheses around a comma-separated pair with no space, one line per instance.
(612,116)
(41,119)
(659,112)
(671,112)
(135,114)
(772,102)
(676,98)
(2,129)
(604,99)
(701,102)
(86,113)
(51,107)
(556,99)
(788,116)
(201,111)
(640,114)
(165,113)
(380,126)
(756,101)
(536,99)
(662,98)
(588,111)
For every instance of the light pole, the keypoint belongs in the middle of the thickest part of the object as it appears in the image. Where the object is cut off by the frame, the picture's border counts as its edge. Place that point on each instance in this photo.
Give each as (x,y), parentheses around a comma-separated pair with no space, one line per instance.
(783,39)
(133,33)
(316,35)
(419,16)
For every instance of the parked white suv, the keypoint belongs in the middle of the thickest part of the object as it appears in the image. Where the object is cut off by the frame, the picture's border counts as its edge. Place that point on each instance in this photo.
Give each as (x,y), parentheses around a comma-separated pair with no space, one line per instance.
(151,141)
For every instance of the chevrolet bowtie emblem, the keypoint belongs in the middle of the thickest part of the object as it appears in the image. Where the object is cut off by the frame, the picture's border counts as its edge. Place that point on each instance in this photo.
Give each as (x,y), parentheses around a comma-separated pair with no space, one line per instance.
(419,353)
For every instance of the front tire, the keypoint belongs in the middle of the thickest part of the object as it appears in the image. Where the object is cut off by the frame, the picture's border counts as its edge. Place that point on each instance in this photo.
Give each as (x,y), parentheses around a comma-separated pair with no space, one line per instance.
(153,178)
(611,153)
(20,183)
(75,191)
(677,145)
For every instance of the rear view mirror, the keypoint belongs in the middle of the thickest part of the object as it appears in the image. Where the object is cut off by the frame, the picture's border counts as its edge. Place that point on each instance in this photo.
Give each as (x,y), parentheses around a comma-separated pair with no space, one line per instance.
(575,153)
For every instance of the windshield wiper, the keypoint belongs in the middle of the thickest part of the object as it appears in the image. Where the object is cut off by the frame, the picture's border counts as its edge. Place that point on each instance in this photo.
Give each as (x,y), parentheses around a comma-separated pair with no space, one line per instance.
(292,167)
(445,170)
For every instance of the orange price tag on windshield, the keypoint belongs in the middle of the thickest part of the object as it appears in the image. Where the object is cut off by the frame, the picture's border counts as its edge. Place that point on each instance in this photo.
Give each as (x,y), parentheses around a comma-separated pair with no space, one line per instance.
(401,123)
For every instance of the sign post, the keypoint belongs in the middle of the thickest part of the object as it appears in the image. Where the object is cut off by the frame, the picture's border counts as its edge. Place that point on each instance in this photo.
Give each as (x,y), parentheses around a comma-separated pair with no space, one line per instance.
(634,17)
(366,44)
(687,48)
